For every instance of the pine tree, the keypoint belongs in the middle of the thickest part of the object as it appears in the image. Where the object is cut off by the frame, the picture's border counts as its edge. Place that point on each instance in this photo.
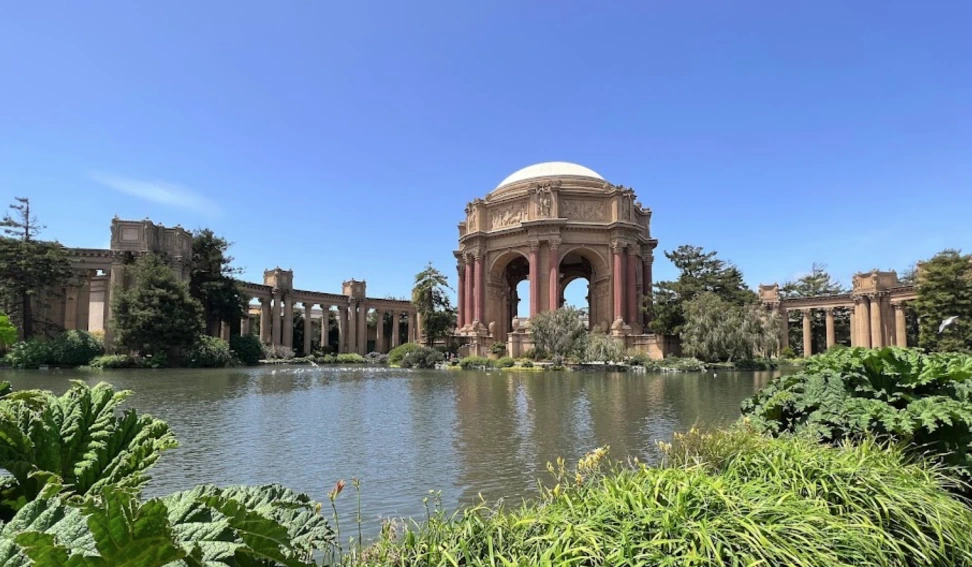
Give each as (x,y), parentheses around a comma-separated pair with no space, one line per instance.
(816,283)
(945,290)
(432,302)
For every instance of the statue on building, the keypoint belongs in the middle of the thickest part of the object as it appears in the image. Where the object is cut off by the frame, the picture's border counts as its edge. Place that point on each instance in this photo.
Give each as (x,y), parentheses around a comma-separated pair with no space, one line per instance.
(544,201)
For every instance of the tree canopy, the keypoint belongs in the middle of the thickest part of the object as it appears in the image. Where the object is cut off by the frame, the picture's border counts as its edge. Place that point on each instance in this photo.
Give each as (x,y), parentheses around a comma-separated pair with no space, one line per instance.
(430,298)
(28,266)
(212,281)
(945,290)
(699,272)
(558,333)
(157,314)
(716,330)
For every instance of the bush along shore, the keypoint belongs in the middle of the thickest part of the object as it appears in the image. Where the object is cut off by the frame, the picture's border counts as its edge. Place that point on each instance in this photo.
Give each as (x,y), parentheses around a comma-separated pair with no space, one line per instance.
(847,463)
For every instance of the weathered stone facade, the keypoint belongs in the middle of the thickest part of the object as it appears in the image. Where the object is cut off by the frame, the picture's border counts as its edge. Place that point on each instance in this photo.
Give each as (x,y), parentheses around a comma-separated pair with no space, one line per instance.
(87,303)
(550,224)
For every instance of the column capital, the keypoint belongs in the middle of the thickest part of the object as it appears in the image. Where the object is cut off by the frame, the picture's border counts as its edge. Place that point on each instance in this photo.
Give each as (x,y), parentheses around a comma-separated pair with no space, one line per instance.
(617,246)
(534,245)
(554,243)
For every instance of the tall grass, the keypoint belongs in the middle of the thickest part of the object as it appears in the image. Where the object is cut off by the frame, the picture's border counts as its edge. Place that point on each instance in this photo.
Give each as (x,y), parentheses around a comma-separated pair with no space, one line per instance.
(729,498)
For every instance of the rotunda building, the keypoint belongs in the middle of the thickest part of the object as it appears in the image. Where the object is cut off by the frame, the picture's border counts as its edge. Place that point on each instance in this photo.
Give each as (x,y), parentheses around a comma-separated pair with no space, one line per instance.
(550,224)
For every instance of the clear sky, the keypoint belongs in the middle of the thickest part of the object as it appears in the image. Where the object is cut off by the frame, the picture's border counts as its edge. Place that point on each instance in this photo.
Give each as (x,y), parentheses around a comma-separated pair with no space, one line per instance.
(343,139)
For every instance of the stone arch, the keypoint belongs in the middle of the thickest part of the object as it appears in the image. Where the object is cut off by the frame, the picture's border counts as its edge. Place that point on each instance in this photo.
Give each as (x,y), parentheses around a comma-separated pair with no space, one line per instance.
(506,270)
(585,262)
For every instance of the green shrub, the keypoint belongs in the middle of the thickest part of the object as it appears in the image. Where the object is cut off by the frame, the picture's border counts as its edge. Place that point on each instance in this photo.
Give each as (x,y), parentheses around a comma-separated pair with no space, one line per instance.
(376,358)
(8,333)
(787,352)
(422,357)
(532,354)
(248,349)
(767,502)
(75,348)
(526,364)
(396,354)
(110,361)
(328,359)
(29,354)
(350,358)
(475,363)
(600,347)
(498,349)
(209,352)
(922,399)
(505,362)
(639,358)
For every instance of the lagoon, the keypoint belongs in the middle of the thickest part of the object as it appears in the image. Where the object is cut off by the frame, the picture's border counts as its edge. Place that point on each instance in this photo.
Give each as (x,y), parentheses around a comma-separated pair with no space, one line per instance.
(405,432)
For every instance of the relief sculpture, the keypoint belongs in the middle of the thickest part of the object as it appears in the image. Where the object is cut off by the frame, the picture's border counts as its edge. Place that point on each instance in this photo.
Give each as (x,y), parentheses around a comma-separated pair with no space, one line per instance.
(596,211)
(509,215)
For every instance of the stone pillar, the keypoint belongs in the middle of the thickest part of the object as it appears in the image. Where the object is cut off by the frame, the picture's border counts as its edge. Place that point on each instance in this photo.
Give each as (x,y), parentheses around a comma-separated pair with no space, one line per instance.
(807,333)
(864,318)
(342,325)
(646,286)
(900,325)
(831,335)
(461,303)
(308,308)
(411,327)
(534,278)
(275,318)
(245,321)
(480,290)
(470,282)
(70,308)
(784,328)
(877,338)
(632,291)
(352,332)
(396,331)
(362,329)
(224,330)
(266,319)
(618,280)
(380,331)
(84,300)
(288,322)
(325,324)
(553,281)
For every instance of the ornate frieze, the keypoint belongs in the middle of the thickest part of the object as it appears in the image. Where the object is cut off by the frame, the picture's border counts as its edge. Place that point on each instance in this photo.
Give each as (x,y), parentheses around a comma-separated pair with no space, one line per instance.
(509,215)
(585,210)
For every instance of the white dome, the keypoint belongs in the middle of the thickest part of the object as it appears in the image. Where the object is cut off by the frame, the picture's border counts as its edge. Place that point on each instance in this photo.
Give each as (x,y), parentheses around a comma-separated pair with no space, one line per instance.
(549,169)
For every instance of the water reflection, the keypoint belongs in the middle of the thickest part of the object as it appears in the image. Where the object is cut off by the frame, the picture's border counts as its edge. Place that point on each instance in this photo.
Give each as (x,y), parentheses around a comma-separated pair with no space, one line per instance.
(403,433)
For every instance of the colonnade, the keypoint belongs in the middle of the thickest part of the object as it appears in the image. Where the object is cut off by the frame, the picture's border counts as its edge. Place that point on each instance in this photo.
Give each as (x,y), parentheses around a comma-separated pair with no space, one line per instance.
(875,321)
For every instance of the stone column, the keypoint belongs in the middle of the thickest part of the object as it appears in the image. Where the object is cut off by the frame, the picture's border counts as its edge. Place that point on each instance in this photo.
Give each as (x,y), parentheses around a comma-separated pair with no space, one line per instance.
(470,283)
(618,279)
(275,318)
(342,325)
(266,320)
(84,300)
(70,308)
(308,308)
(245,321)
(632,285)
(831,335)
(784,327)
(877,338)
(411,327)
(646,285)
(380,331)
(325,324)
(553,282)
(362,329)
(461,302)
(534,278)
(864,318)
(396,331)
(352,332)
(288,322)
(807,333)
(900,325)
(479,290)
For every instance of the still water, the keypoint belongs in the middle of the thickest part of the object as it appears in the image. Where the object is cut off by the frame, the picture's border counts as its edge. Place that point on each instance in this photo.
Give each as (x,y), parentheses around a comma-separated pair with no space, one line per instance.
(402,432)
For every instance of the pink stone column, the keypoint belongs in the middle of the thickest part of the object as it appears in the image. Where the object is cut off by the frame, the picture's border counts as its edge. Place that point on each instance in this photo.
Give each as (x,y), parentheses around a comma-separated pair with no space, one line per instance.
(534,279)
(479,290)
(470,291)
(646,286)
(618,277)
(900,325)
(461,303)
(807,334)
(632,277)
(553,284)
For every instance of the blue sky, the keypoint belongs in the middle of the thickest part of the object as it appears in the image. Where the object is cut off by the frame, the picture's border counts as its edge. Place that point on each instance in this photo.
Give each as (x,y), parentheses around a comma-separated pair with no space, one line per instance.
(344,139)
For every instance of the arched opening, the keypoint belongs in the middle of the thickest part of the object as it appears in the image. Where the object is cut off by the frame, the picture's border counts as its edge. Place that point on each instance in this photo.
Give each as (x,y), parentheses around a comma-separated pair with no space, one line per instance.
(508,282)
(576,275)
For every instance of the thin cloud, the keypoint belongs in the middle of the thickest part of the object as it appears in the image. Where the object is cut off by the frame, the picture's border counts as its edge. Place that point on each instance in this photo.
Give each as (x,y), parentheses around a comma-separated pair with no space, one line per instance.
(159,192)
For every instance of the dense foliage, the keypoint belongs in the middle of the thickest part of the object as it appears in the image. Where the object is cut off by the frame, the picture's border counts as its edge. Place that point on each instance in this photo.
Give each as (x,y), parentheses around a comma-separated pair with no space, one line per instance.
(600,347)
(212,280)
(73,496)
(431,299)
(699,272)
(8,333)
(716,330)
(729,499)
(558,333)
(156,314)
(422,357)
(209,352)
(945,290)
(924,399)
(397,354)
(71,348)
(475,363)
(248,349)
(28,267)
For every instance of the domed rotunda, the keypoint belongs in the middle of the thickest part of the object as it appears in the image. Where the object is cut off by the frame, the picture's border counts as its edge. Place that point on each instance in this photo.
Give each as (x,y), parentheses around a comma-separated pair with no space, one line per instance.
(550,224)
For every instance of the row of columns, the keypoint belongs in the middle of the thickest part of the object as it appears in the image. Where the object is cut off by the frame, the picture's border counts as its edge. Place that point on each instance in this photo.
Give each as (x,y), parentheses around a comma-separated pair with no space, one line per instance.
(472,287)
(352,323)
(869,327)
(628,292)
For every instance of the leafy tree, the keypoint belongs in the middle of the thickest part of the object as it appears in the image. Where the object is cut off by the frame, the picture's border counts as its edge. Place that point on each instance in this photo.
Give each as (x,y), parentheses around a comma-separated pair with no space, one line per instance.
(432,302)
(157,314)
(28,267)
(601,347)
(212,280)
(8,333)
(559,333)
(816,283)
(909,276)
(700,272)
(945,290)
(716,330)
